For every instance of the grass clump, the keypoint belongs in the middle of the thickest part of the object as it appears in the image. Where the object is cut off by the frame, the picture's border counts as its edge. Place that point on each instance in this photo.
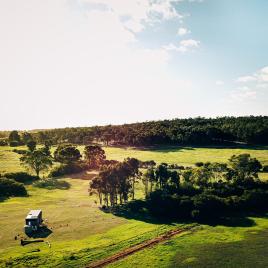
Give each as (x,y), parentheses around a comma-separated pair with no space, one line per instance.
(51,184)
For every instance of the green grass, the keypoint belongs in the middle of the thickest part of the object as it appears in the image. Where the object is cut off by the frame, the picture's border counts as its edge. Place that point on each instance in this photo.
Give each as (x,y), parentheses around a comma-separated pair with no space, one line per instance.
(186,155)
(9,161)
(218,246)
(81,233)
(173,155)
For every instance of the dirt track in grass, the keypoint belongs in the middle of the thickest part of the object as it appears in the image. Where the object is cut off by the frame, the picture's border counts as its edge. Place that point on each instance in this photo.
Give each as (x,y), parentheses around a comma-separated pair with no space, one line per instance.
(146,244)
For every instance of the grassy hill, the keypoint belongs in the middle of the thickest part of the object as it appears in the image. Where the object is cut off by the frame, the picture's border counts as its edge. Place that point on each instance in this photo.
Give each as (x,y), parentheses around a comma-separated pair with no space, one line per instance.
(82,233)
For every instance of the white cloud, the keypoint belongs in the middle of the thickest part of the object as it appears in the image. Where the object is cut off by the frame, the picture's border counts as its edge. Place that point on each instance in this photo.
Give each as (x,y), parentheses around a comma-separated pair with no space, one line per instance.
(82,64)
(183,31)
(253,85)
(261,76)
(245,79)
(219,83)
(243,94)
(184,46)
(138,13)
(190,43)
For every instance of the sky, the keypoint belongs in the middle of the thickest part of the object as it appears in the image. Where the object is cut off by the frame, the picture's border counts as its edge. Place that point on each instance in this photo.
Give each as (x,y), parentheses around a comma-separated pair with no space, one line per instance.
(67,63)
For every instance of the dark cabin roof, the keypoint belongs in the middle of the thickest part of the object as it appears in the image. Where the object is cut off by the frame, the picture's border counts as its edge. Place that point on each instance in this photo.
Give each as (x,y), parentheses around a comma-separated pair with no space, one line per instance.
(34,214)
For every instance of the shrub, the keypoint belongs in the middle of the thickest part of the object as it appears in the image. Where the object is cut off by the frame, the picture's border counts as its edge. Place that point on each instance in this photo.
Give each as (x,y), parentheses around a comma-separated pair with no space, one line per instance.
(19,151)
(51,184)
(65,169)
(136,205)
(199,164)
(9,187)
(265,168)
(22,177)
(175,166)
(206,204)
(3,143)
(14,143)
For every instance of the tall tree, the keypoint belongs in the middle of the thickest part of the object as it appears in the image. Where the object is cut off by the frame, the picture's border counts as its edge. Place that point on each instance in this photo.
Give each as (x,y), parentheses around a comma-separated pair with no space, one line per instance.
(36,160)
(31,144)
(94,155)
(14,138)
(134,172)
(245,166)
(148,180)
(67,154)
(26,137)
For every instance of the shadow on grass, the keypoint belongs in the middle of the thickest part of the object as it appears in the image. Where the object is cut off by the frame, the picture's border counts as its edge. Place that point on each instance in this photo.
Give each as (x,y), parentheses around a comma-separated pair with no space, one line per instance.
(52,184)
(139,216)
(3,198)
(177,148)
(235,221)
(43,232)
(145,216)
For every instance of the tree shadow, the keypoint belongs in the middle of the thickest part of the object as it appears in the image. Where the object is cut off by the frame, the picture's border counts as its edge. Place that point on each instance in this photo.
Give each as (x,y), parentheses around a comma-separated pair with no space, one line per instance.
(3,198)
(235,221)
(177,148)
(145,216)
(43,232)
(139,216)
(164,149)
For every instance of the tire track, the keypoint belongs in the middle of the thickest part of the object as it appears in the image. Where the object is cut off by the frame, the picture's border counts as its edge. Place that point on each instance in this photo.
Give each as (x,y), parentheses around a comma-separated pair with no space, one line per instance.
(146,244)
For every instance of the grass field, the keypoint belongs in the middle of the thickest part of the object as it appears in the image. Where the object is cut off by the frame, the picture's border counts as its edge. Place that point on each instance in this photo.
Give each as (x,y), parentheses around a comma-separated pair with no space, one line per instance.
(218,246)
(81,233)
(188,156)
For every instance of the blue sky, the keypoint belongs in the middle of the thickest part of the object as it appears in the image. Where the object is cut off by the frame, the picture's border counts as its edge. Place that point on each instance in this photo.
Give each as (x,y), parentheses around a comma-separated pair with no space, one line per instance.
(87,62)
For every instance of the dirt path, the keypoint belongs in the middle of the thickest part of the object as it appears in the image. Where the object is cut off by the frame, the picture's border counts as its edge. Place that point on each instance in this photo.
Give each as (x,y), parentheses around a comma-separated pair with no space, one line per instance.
(146,244)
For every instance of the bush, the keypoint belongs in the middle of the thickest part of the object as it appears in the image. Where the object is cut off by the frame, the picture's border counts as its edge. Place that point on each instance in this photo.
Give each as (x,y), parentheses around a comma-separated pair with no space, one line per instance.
(9,187)
(51,184)
(199,164)
(19,151)
(14,143)
(3,143)
(136,205)
(22,177)
(265,168)
(175,166)
(66,169)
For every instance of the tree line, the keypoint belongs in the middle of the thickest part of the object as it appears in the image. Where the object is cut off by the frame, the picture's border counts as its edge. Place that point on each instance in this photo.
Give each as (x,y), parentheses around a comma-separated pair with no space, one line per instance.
(192,131)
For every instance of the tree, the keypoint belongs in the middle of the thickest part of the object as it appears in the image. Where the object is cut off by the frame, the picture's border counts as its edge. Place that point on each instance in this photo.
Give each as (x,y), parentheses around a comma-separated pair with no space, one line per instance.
(26,137)
(36,160)
(148,178)
(162,175)
(46,148)
(244,166)
(66,154)
(174,179)
(134,173)
(94,155)
(31,145)
(14,138)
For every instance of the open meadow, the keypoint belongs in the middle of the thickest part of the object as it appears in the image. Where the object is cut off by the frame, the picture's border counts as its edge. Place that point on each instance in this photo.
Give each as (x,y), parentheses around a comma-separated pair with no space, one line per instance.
(80,233)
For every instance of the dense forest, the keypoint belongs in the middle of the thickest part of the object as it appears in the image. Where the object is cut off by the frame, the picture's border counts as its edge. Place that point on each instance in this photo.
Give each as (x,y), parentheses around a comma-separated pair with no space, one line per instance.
(192,131)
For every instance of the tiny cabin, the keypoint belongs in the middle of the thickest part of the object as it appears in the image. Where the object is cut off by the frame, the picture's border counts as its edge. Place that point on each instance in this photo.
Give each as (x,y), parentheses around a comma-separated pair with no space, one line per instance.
(33,221)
